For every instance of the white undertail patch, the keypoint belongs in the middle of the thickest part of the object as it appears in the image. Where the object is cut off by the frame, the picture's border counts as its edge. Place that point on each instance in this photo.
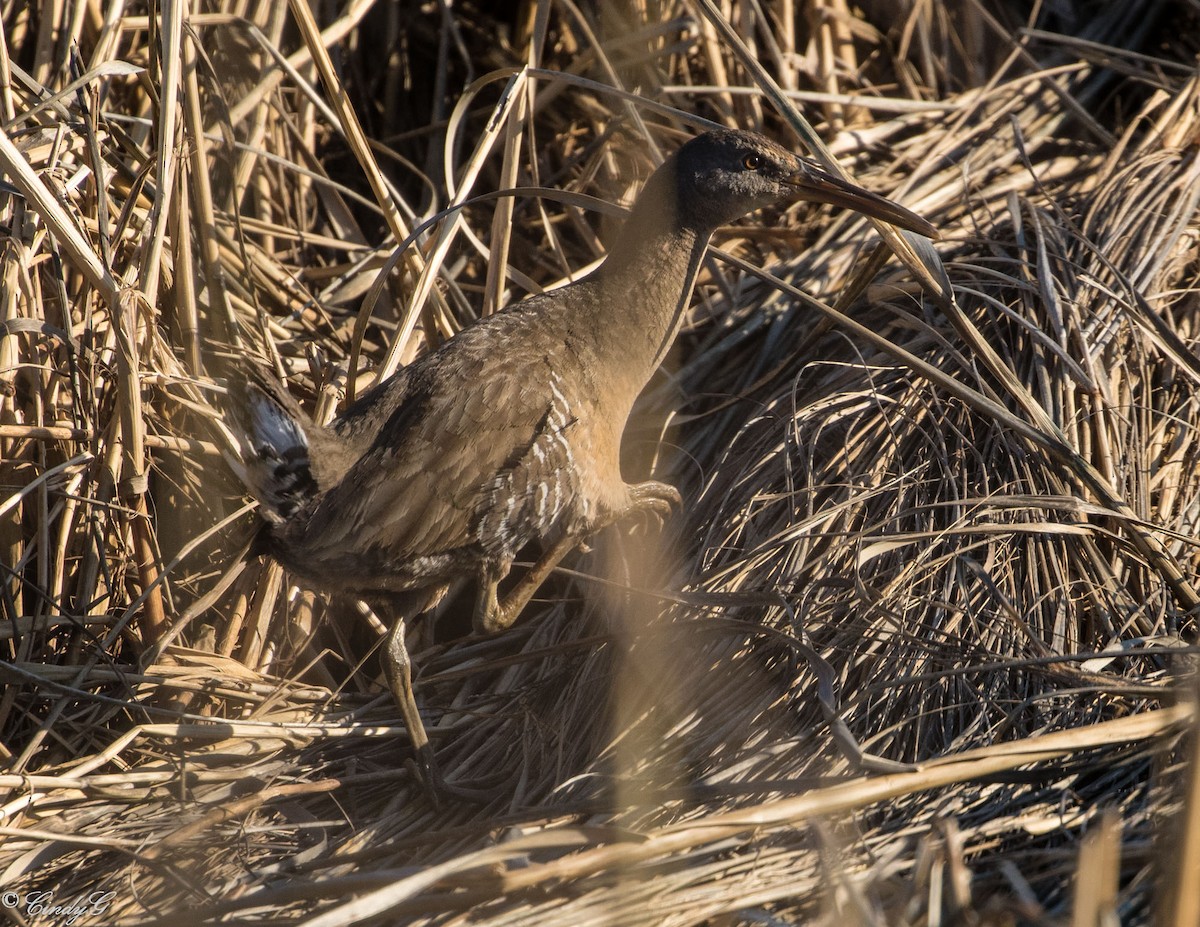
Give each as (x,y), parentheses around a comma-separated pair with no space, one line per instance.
(275,455)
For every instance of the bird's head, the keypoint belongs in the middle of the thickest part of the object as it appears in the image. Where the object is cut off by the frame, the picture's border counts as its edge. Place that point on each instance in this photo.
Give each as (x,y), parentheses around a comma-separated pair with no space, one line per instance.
(722,175)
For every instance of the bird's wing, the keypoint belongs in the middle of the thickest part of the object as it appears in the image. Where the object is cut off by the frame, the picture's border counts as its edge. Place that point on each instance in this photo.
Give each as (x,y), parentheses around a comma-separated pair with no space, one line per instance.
(450,459)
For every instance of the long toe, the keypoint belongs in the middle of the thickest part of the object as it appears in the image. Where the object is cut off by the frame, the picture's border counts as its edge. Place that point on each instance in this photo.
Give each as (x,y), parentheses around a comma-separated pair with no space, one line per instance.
(652,503)
(655,496)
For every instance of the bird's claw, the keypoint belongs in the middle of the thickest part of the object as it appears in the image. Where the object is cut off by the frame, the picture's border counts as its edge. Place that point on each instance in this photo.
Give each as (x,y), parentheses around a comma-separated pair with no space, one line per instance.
(651,504)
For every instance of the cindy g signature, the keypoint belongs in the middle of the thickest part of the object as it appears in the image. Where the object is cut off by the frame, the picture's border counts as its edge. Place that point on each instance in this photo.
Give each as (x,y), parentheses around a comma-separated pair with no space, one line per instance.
(41,907)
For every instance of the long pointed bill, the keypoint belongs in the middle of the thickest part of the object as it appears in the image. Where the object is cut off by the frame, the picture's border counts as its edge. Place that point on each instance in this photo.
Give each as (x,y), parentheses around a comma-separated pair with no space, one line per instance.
(812,183)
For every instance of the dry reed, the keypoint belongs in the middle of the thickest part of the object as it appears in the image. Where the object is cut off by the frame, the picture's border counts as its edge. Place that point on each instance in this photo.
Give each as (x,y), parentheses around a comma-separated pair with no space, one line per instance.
(917,652)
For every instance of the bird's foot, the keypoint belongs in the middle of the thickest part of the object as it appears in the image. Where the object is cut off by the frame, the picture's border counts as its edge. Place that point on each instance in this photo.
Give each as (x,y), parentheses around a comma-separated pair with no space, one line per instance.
(651,504)
(428,773)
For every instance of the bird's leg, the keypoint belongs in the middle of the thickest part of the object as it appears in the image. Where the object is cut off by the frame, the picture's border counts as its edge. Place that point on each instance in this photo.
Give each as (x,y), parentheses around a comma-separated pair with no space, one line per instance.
(397,667)
(492,615)
(649,500)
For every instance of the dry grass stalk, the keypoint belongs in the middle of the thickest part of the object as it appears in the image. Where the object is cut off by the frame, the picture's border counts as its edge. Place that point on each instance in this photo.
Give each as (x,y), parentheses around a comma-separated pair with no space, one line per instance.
(944,512)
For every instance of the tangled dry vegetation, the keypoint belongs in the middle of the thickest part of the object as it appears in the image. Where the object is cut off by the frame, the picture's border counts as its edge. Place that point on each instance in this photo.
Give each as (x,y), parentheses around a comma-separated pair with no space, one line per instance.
(916,653)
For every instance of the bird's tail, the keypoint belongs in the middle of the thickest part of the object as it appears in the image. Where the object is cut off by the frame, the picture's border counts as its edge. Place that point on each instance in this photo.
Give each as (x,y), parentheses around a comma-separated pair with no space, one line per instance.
(274,439)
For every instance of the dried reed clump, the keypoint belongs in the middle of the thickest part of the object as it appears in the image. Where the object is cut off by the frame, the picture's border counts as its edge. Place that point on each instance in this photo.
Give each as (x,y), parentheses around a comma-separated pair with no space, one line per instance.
(916,651)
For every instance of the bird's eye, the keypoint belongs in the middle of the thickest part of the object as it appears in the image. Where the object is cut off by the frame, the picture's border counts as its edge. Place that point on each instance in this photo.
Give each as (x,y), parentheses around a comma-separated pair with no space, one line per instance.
(752,162)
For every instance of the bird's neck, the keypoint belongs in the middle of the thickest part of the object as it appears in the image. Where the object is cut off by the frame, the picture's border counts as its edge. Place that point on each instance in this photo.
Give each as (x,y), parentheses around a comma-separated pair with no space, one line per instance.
(646,282)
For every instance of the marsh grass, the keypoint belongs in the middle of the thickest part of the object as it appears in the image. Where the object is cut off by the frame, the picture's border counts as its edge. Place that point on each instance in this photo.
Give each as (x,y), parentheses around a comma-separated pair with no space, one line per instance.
(917,650)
